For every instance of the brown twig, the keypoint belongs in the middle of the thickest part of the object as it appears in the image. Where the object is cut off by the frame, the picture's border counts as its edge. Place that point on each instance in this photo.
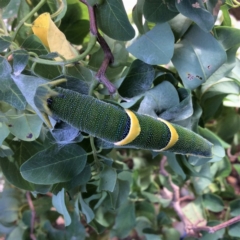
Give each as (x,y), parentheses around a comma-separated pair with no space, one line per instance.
(233,157)
(217,227)
(33,215)
(190,228)
(108,56)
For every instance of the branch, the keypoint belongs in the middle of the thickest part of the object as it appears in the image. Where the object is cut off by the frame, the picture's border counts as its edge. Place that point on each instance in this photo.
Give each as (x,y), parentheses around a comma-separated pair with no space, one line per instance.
(190,228)
(108,56)
(234,157)
(33,215)
(217,227)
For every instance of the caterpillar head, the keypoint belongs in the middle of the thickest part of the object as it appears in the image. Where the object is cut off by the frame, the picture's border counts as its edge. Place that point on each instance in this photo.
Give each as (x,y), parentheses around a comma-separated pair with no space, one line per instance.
(43,96)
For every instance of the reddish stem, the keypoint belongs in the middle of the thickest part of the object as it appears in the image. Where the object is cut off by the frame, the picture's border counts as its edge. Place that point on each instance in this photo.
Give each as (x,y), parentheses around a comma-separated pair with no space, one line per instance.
(108,57)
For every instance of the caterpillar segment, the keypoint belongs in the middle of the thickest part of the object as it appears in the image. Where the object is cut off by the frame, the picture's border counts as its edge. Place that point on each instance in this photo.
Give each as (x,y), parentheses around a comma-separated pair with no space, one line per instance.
(114,124)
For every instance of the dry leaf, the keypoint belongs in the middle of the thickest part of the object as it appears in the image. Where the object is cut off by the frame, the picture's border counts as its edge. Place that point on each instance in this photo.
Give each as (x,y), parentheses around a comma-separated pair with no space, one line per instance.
(52,37)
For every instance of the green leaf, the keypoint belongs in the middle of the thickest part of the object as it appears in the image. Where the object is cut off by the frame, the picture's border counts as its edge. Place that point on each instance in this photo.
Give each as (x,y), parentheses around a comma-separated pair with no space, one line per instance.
(230,119)
(11,167)
(119,194)
(181,112)
(213,202)
(11,9)
(202,182)
(113,21)
(138,80)
(234,229)
(34,44)
(226,16)
(5,151)
(20,60)
(23,10)
(4,131)
(195,10)
(76,32)
(54,164)
(174,164)
(222,168)
(154,47)
(8,209)
(54,234)
(217,150)
(65,133)
(76,230)
(228,36)
(82,74)
(28,90)
(179,25)
(75,23)
(5,42)
(82,178)
(17,233)
(194,66)
(163,101)
(213,236)
(9,92)
(193,211)
(59,203)
(108,178)
(4,3)
(137,15)
(63,5)
(86,210)
(157,11)
(123,225)
(222,86)
(235,207)
(26,127)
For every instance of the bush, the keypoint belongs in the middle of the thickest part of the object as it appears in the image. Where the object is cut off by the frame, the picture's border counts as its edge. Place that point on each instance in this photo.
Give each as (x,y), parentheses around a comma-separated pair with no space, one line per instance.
(175,64)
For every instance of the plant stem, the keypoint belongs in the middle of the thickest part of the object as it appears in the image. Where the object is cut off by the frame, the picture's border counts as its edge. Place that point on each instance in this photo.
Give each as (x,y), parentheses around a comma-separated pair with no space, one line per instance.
(94,149)
(3,24)
(73,60)
(59,10)
(35,9)
(33,214)
(108,57)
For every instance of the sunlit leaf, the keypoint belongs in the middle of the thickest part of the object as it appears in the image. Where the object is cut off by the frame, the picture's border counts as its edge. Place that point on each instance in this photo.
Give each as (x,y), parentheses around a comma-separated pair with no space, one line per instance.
(195,66)
(155,46)
(52,37)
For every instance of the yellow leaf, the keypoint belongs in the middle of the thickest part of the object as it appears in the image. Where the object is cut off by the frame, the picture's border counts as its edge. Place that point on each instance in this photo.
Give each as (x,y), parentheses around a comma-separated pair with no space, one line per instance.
(52,37)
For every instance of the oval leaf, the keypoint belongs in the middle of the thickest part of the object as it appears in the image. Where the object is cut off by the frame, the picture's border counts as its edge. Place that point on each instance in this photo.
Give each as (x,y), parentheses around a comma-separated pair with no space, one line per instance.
(213,202)
(154,47)
(54,164)
(157,11)
(138,80)
(195,66)
(20,60)
(113,21)
(108,179)
(9,92)
(195,10)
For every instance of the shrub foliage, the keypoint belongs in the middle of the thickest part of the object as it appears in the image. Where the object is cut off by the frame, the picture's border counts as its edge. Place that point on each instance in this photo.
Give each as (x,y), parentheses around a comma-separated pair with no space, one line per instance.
(170,59)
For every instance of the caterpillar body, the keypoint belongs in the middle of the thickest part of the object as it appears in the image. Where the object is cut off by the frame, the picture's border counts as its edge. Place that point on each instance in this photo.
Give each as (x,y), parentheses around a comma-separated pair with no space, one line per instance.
(120,126)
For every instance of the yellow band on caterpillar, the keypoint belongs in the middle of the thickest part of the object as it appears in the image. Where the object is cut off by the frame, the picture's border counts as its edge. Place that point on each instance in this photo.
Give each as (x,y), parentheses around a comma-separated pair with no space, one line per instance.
(134,131)
(174,135)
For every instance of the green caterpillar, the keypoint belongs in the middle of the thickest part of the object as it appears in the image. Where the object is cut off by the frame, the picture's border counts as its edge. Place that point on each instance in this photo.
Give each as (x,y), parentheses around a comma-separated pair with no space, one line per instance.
(114,124)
